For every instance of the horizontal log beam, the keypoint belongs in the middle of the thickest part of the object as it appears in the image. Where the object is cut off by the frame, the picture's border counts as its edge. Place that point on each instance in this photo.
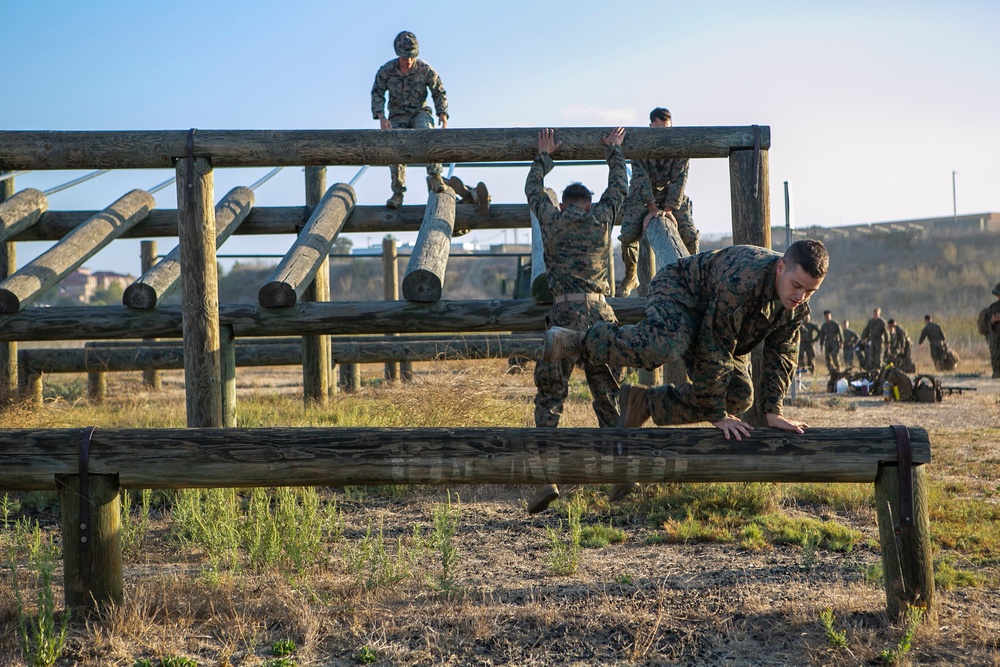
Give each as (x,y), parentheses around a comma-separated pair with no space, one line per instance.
(171,357)
(53,225)
(36,149)
(245,457)
(349,317)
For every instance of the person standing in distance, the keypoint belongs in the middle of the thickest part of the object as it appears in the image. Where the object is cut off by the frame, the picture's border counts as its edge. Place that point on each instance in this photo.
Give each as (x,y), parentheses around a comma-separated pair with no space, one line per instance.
(407,80)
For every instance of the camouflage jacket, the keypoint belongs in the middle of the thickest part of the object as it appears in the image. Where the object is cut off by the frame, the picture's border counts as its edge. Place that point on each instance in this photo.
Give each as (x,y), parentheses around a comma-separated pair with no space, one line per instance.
(408,92)
(659,181)
(808,334)
(899,340)
(932,332)
(876,329)
(850,339)
(733,295)
(987,328)
(831,337)
(577,243)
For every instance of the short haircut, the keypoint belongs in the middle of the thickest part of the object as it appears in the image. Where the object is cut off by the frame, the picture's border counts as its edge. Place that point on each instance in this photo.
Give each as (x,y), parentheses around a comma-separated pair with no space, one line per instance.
(891,321)
(811,255)
(659,113)
(577,192)
(827,312)
(927,317)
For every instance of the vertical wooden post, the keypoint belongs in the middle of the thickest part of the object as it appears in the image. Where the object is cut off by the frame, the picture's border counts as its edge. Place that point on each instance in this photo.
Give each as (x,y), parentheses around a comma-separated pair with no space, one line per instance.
(390,284)
(200,291)
(316,349)
(751,205)
(150,376)
(8,349)
(30,387)
(350,377)
(92,554)
(227,357)
(907,555)
(97,387)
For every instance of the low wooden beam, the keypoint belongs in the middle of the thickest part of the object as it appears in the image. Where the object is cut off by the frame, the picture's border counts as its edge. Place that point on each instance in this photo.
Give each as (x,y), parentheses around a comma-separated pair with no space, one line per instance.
(46,270)
(37,149)
(53,225)
(160,281)
(423,279)
(20,210)
(300,264)
(348,317)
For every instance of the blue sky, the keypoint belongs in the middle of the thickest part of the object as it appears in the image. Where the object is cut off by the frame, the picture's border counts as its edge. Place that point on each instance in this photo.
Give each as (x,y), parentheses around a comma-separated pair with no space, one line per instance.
(871,105)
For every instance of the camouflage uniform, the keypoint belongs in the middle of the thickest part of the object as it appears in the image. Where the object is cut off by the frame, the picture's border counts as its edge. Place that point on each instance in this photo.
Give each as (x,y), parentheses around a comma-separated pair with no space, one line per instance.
(899,345)
(831,338)
(408,105)
(660,181)
(577,248)
(992,331)
(807,353)
(875,333)
(850,341)
(934,335)
(709,310)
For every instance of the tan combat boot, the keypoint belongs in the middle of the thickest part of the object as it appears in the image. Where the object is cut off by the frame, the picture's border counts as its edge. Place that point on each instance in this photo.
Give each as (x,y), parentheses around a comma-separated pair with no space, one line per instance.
(559,343)
(395,200)
(544,496)
(435,183)
(629,281)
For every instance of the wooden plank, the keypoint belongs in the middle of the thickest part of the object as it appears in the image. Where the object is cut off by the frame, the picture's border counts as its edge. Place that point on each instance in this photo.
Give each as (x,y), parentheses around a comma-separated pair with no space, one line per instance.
(160,280)
(46,270)
(37,149)
(423,279)
(345,317)
(301,263)
(243,457)
(53,225)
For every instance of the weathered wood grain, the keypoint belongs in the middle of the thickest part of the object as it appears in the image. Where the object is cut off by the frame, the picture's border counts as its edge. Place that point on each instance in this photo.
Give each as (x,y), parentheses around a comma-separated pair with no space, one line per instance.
(46,270)
(423,279)
(37,149)
(316,369)
(20,210)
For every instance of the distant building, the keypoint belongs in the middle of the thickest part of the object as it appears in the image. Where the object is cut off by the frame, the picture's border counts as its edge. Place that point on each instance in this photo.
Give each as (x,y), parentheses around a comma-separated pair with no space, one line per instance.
(83,283)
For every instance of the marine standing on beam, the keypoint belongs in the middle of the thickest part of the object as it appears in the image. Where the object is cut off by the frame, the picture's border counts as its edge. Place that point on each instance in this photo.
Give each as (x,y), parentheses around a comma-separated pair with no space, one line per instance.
(407,80)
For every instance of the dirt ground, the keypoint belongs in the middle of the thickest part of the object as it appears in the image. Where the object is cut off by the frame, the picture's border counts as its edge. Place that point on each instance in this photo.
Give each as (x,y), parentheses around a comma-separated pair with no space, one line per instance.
(641,602)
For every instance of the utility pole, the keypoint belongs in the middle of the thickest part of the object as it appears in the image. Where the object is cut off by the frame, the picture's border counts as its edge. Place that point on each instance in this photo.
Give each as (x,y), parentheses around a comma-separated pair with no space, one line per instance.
(954,197)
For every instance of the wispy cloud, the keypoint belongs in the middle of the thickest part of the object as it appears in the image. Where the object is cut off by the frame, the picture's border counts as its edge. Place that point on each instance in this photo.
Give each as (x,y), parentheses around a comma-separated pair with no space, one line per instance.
(586,114)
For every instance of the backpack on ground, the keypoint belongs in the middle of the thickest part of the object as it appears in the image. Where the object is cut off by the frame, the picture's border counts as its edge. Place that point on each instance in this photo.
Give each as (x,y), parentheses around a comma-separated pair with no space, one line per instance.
(927,389)
(949,360)
(900,383)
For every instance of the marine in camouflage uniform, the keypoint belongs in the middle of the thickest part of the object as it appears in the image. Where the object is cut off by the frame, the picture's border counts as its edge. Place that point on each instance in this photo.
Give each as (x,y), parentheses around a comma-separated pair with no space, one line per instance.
(657,185)
(808,335)
(831,338)
(577,246)
(710,310)
(934,335)
(900,345)
(850,341)
(408,104)
(876,335)
(989,326)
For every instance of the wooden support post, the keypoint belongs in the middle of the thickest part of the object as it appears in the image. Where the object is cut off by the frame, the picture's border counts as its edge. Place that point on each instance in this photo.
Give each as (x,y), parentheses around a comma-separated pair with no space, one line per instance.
(97,387)
(92,550)
(8,265)
(46,270)
(150,376)
(390,287)
(30,387)
(350,377)
(751,205)
(539,282)
(907,554)
(199,292)
(316,349)
(301,263)
(425,271)
(161,280)
(227,358)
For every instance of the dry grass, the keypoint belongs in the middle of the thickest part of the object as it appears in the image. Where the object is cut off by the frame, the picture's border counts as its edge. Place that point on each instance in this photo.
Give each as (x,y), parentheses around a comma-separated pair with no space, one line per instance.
(641,602)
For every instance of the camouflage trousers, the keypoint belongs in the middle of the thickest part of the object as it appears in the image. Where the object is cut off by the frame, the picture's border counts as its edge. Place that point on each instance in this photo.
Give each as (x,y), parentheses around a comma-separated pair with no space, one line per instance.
(417,121)
(832,359)
(632,218)
(848,356)
(668,333)
(937,354)
(552,377)
(994,342)
(875,356)
(807,357)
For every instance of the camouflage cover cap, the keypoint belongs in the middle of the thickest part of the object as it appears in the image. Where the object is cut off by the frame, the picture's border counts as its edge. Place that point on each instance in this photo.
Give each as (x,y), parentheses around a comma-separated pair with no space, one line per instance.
(406,45)
(996,290)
